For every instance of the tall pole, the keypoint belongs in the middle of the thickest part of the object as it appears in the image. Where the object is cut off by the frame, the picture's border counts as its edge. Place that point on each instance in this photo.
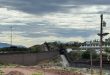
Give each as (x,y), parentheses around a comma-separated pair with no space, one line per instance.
(101,34)
(91,62)
(101,38)
(11,36)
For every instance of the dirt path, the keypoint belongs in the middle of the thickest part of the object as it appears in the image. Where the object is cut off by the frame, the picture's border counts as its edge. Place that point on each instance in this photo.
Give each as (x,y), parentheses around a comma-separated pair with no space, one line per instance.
(25,71)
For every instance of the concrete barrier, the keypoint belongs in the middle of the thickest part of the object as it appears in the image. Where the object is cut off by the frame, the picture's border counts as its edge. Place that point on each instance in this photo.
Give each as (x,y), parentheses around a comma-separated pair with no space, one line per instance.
(26,59)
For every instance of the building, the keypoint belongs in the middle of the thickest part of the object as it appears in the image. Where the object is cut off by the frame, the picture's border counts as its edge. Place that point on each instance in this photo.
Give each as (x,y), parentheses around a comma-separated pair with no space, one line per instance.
(95,44)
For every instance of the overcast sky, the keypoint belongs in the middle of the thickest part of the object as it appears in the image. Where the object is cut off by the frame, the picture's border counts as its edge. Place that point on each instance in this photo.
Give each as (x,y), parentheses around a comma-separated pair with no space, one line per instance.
(37,21)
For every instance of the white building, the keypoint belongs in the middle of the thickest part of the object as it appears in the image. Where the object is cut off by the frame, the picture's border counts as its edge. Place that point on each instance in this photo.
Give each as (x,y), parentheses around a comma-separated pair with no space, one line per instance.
(69,50)
(95,44)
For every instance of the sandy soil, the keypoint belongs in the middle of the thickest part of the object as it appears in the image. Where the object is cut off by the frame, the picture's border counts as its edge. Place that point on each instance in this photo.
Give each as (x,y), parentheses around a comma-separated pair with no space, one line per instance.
(32,70)
(25,71)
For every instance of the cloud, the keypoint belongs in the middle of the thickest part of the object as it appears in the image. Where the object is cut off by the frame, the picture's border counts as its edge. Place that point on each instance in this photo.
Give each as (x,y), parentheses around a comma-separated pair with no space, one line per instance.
(60,32)
(17,39)
(91,2)
(33,6)
(48,6)
(29,41)
(42,28)
(37,21)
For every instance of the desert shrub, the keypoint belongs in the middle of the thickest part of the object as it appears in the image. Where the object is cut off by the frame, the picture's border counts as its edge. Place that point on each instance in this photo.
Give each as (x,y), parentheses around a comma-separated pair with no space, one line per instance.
(38,73)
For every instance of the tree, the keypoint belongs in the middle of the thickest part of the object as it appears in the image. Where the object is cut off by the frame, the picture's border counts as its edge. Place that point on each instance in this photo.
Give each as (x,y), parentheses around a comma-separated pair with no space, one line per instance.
(35,49)
(74,55)
(107,50)
(86,54)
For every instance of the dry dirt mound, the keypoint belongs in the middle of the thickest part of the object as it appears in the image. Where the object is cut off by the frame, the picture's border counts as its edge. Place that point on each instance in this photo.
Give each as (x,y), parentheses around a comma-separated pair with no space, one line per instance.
(15,73)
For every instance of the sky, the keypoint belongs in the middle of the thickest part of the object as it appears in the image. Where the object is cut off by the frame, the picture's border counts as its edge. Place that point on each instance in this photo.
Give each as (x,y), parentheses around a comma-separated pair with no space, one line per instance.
(37,21)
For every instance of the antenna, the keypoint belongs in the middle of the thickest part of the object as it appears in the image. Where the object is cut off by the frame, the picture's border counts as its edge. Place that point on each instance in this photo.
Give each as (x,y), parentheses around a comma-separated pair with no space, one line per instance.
(11,35)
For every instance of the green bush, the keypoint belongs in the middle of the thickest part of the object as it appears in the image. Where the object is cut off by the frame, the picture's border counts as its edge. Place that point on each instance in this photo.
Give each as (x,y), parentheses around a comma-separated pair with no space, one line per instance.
(1,72)
(86,54)
(74,55)
(38,73)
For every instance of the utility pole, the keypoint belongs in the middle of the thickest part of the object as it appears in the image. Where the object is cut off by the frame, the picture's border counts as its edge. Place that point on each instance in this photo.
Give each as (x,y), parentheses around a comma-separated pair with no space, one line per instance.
(101,38)
(101,34)
(91,62)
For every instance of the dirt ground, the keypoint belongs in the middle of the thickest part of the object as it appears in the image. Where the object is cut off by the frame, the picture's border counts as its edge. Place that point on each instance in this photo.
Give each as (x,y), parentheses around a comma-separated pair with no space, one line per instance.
(32,70)
(23,71)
